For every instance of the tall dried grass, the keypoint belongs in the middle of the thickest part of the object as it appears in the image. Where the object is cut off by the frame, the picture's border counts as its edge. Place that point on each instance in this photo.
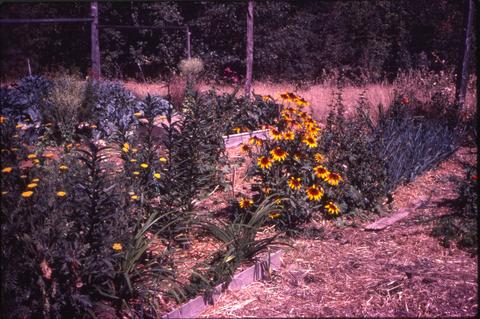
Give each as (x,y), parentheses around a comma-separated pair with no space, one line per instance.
(420,84)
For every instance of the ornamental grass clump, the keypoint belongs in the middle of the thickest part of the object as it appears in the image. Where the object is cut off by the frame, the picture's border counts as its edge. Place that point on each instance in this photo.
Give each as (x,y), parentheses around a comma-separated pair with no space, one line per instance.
(289,164)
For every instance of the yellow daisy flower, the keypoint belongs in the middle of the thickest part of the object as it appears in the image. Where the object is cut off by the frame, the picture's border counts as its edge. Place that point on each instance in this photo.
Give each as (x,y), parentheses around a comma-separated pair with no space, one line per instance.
(264,162)
(332,209)
(27,194)
(310,141)
(245,202)
(117,247)
(333,179)
(278,154)
(276,134)
(295,183)
(320,171)
(61,194)
(319,158)
(314,192)
(7,170)
(289,135)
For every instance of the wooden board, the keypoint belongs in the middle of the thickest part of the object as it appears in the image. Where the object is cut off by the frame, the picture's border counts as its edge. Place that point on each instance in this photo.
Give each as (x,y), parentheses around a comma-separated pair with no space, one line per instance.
(400,214)
(259,271)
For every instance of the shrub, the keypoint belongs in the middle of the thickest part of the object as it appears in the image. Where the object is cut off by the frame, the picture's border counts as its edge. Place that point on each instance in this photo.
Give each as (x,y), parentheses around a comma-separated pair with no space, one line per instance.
(462,225)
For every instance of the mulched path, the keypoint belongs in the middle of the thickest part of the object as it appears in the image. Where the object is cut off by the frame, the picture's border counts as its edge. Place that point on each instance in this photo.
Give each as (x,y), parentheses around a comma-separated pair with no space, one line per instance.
(401,271)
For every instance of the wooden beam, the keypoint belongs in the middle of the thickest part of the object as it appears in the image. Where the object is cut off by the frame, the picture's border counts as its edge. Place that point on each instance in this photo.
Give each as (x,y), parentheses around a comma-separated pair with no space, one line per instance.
(55,20)
(248,77)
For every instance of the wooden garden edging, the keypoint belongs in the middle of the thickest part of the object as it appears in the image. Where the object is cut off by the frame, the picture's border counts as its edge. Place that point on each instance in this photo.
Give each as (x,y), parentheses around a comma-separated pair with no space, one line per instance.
(261,270)
(237,139)
(400,214)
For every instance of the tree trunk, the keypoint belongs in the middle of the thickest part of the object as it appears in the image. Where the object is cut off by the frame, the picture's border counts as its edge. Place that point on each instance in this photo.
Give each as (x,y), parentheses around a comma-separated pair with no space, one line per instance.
(95,41)
(462,74)
(248,77)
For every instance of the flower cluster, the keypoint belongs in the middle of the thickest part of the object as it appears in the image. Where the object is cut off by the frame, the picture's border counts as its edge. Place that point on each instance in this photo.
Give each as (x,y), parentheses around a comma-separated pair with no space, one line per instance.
(288,163)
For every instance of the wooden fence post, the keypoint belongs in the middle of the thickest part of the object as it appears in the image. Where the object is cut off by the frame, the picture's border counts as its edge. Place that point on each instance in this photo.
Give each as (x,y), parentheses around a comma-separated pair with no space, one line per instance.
(189,53)
(95,41)
(462,73)
(248,77)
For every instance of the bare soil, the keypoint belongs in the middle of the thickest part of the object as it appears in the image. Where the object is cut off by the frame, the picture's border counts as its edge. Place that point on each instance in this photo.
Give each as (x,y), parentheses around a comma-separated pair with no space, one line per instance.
(401,271)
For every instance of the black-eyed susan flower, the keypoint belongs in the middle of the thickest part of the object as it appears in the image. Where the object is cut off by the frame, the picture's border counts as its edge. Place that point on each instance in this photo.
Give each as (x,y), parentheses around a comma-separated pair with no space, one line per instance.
(133,160)
(333,178)
(162,160)
(35,180)
(332,209)
(320,171)
(264,162)
(63,168)
(144,165)
(36,161)
(295,183)
(61,194)
(134,150)
(4,193)
(310,141)
(32,185)
(245,148)
(278,154)
(7,170)
(23,176)
(136,173)
(276,134)
(117,247)
(31,156)
(27,194)
(156,175)
(266,190)
(134,197)
(245,202)
(138,114)
(125,147)
(237,130)
(2,119)
(267,98)
(255,141)
(319,158)
(289,136)
(314,192)
(48,155)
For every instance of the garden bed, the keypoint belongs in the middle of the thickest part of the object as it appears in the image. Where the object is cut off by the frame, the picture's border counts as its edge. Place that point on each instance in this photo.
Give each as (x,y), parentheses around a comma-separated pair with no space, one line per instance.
(401,271)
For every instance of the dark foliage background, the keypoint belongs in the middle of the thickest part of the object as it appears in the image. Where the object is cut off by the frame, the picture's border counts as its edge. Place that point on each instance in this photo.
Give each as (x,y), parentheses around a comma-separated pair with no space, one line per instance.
(294,40)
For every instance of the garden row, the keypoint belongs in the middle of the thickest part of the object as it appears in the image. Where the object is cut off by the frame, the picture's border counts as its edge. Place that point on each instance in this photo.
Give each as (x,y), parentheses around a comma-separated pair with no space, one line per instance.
(90,178)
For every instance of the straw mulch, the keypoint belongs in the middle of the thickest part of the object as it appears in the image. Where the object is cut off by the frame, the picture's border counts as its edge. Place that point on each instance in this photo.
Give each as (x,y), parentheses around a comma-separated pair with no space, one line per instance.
(401,271)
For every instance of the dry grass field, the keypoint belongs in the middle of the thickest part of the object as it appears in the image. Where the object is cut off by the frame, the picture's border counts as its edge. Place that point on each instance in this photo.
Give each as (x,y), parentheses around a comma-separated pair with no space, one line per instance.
(320,96)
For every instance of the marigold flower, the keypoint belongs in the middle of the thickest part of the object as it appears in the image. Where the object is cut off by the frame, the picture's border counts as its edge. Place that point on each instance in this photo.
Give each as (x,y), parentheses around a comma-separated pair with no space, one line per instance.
(31,156)
(332,209)
(7,170)
(264,162)
(278,154)
(117,247)
(245,202)
(61,194)
(295,183)
(333,179)
(63,167)
(276,134)
(320,171)
(310,141)
(314,193)
(156,175)
(144,165)
(27,194)
(32,185)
